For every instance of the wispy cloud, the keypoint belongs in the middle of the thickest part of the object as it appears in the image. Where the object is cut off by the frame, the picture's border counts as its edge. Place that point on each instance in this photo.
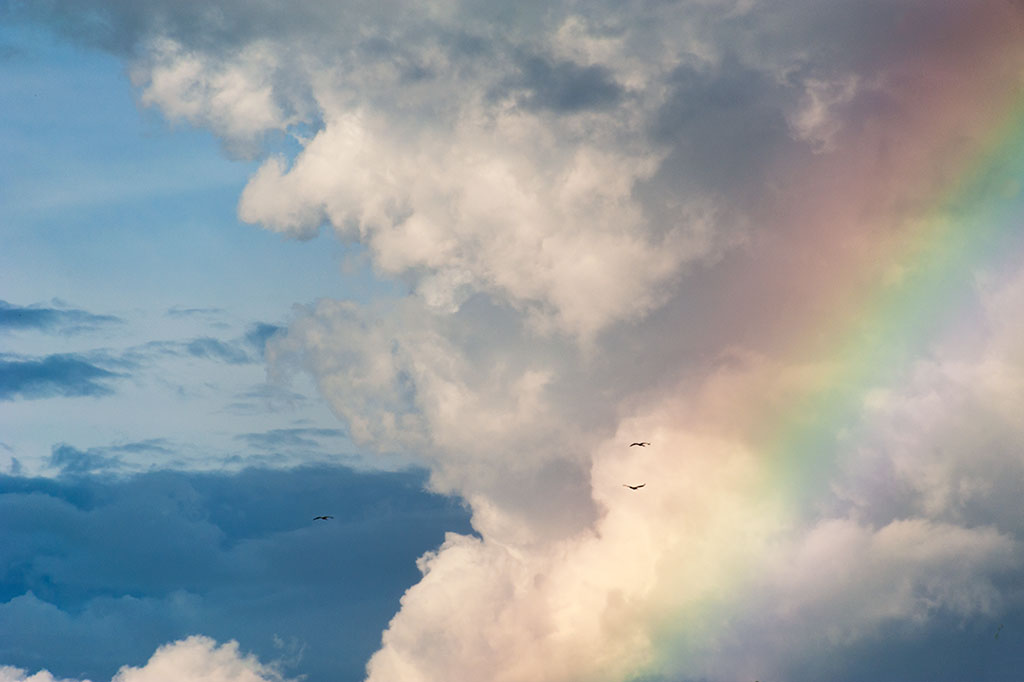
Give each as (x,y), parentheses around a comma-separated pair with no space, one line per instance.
(213,349)
(66,375)
(178,311)
(74,461)
(51,319)
(259,334)
(290,439)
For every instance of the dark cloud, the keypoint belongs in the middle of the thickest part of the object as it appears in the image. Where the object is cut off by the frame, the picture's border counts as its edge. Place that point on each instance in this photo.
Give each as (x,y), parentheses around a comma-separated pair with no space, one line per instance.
(96,572)
(212,349)
(50,319)
(66,375)
(564,86)
(74,461)
(724,126)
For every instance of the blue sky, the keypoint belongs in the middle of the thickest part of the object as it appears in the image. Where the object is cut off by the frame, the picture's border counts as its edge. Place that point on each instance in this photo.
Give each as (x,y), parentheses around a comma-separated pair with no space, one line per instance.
(430,267)
(138,286)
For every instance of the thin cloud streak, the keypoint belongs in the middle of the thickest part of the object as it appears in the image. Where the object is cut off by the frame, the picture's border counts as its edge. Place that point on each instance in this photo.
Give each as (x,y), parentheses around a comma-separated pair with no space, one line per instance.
(67,375)
(51,319)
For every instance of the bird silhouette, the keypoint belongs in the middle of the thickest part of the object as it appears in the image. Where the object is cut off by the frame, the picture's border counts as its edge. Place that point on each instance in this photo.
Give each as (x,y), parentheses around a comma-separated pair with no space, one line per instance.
(322,518)
(633,487)
(643,444)
(998,630)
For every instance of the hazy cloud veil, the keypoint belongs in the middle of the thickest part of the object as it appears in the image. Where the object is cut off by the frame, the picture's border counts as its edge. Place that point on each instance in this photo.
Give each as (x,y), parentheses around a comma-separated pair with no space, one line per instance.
(613,220)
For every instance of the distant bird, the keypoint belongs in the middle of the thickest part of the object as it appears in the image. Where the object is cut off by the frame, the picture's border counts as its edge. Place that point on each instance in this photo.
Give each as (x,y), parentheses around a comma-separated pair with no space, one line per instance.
(322,518)
(997,630)
(643,444)
(633,487)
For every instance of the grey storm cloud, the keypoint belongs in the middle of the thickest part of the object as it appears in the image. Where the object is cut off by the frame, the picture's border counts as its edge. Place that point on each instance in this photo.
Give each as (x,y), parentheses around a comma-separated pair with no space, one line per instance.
(67,375)
(565,86)
(50,319)
(234,556)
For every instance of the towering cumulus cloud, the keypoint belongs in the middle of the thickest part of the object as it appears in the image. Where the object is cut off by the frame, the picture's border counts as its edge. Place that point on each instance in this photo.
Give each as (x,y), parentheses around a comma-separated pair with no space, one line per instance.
(773,239)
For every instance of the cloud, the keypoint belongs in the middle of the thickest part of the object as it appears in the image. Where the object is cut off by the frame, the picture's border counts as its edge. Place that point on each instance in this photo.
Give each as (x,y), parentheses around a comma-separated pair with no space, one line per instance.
(266,398)
(648,221)
(12,674)
(193,658)
(200,658)
(73,461)
(231,351)
(567,86)
(67,375)
(50,319)
(212,349)
(212,313)
(234,97)
(277,439)
(232,556)
(259,334)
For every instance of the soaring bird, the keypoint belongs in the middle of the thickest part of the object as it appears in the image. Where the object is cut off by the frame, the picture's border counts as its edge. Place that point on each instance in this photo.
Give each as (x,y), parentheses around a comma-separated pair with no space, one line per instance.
(644,444)
(633,487)
(322,518)
(999,630)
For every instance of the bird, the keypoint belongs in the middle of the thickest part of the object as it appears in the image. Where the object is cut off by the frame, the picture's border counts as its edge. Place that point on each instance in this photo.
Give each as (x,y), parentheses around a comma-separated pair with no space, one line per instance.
(322,518)
(998,629)
(633,487)
(643,444)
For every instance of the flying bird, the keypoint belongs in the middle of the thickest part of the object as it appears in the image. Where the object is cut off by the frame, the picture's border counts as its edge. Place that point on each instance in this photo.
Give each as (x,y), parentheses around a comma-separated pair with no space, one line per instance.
(998,630)
(633,487)
(644,444)
(322,518)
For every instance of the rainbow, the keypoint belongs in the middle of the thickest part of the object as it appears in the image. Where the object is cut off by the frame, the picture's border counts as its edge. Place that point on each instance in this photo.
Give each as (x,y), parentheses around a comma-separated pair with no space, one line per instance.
(977,222)
(869,339)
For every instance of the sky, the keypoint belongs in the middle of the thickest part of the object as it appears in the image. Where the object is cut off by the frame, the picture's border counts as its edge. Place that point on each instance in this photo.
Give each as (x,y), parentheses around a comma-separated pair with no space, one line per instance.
(430,268)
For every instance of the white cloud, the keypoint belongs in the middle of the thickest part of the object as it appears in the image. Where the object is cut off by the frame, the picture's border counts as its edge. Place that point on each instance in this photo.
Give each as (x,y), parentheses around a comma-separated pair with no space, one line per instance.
(11,674)
(199,659)
(233,95)
(501,204)
(195,658)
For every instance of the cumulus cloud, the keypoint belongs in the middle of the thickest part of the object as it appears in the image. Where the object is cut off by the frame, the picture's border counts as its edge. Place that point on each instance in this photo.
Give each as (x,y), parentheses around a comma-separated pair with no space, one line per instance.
(233,96)
(12,674)
(194,658)
(201,659)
